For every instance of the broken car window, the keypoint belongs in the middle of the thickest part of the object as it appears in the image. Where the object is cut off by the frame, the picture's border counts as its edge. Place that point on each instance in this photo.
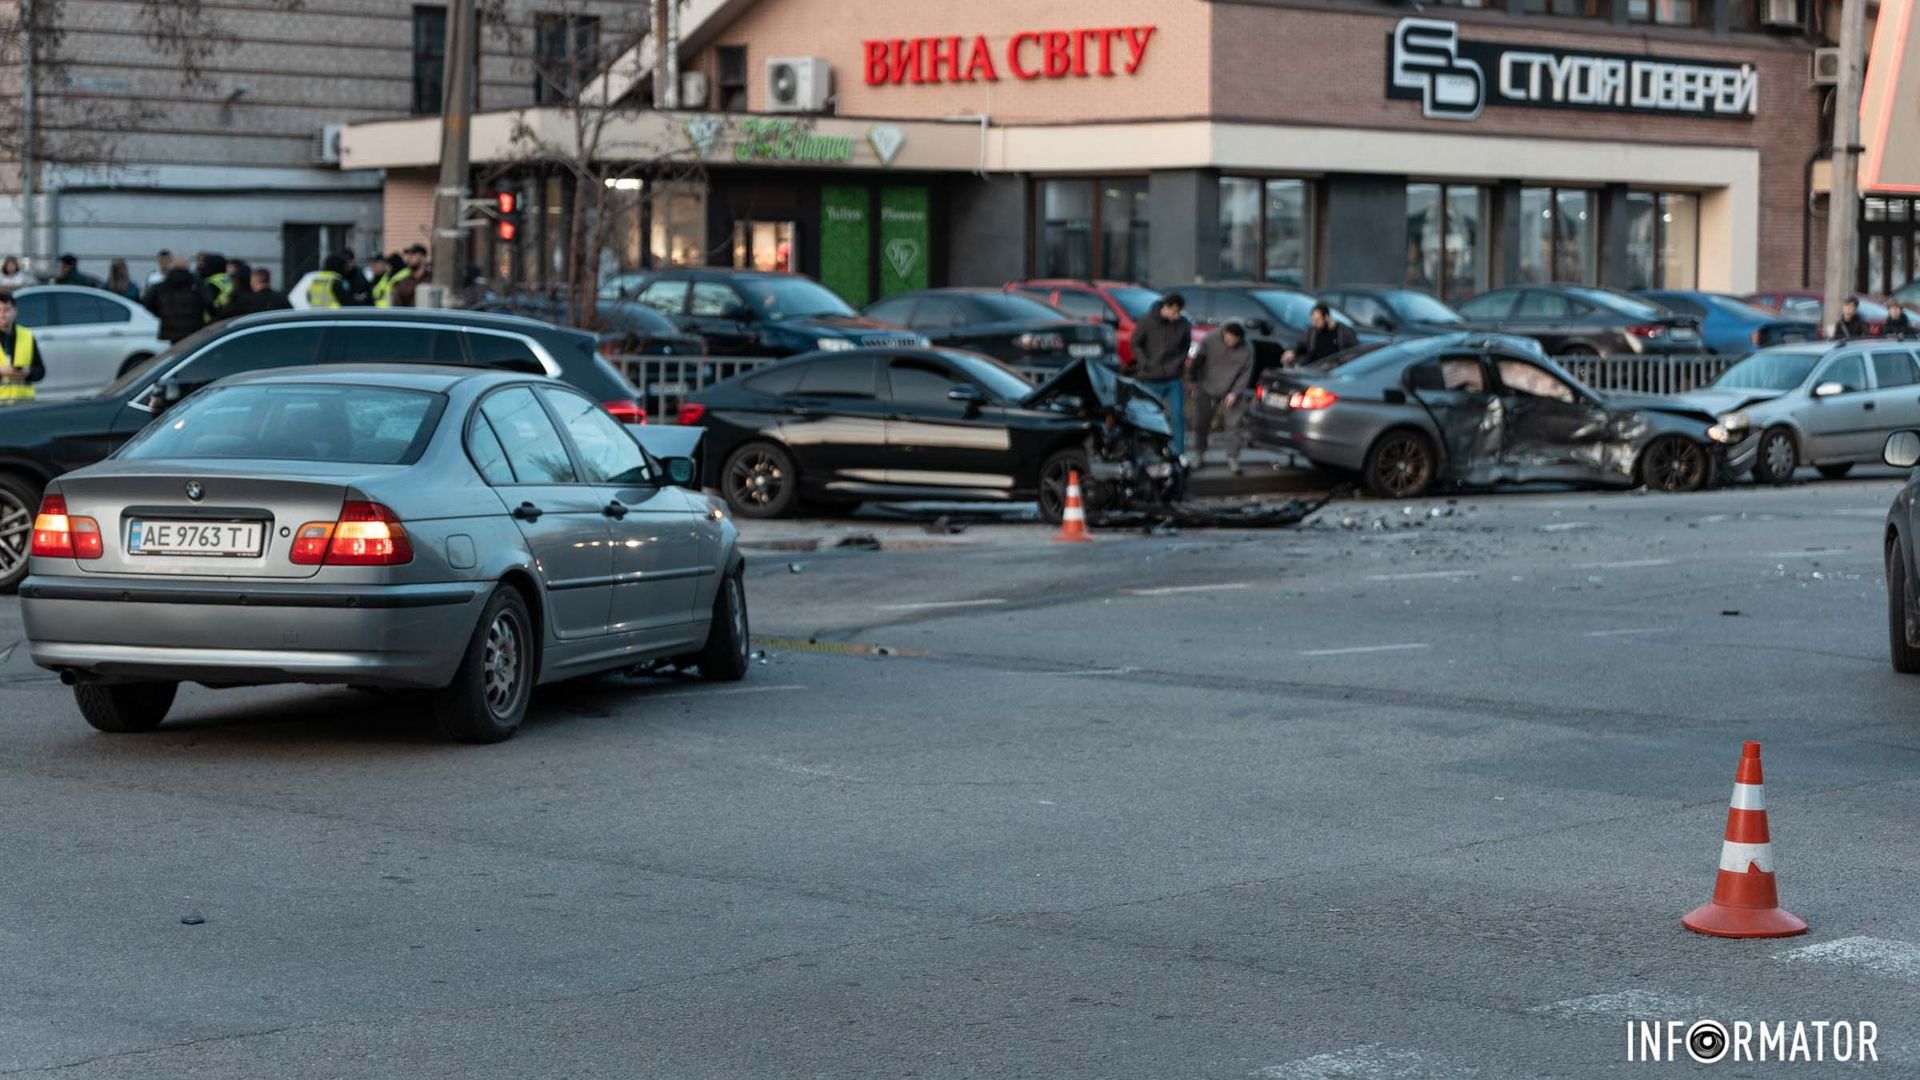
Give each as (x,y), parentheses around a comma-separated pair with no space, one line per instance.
(1523,378)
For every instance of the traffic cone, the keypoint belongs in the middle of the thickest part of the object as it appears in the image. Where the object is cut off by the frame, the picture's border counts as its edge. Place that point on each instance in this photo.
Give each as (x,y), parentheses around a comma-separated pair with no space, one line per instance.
(1073,519)
(1745,904)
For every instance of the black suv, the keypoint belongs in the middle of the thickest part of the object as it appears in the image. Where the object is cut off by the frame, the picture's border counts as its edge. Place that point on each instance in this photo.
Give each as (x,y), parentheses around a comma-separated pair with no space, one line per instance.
(755,313)
(41,440)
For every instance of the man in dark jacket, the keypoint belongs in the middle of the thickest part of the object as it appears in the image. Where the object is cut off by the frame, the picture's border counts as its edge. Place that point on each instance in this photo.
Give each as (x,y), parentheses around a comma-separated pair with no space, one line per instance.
(1223,385)
(70,274)
(179,303)
(1162,340)
(260,296)
(1324,338)
(1898,326)
(1851,325)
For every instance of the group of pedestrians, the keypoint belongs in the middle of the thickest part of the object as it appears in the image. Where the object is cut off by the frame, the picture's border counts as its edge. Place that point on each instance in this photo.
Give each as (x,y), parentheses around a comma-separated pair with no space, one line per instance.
(1212,380)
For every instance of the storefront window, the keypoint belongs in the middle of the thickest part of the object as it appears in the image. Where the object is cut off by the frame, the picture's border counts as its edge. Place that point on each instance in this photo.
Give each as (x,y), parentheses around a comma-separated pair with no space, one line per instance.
(1586,9)
(1066,229)
(1239,228)
(1286,232)
(1266,230)
(1446,234)
(1664,12)
(1679,240)
(1123,230)
(1573,237)
(679,224)
(1643,241)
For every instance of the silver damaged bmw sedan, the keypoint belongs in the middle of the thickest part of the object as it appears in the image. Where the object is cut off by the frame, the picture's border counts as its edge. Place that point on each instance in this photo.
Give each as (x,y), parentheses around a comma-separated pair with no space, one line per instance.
(470,533)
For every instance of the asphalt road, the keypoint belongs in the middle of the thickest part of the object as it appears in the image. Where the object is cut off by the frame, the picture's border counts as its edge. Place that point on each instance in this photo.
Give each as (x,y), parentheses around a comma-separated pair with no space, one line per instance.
(1421,799)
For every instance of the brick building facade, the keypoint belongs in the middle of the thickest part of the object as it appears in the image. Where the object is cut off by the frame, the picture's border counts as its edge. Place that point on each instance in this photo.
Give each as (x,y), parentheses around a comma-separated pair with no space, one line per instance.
(1174,140)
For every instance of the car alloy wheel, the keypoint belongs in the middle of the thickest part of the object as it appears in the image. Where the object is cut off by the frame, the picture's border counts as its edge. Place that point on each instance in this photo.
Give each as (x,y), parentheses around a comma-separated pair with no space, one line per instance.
(501,664)
(1778,454)
(1402,466)
(16,530)
(1676,464)
(756,479)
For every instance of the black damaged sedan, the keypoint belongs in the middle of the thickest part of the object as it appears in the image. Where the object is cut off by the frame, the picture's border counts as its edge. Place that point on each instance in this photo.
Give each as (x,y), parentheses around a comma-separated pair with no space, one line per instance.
(1480,409)
(839,428)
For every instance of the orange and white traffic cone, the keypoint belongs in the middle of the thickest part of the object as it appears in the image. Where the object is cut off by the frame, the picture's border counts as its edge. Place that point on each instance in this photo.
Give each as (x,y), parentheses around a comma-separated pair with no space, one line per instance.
(1073,519)
(1745,903)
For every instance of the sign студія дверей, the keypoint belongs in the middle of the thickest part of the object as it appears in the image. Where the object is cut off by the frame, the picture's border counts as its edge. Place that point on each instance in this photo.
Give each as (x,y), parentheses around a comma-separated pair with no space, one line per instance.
(1454,79)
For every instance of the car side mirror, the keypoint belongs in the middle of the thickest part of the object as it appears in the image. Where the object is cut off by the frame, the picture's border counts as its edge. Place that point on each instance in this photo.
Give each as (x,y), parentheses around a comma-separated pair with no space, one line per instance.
(967,394)
(1828,389)
(680,471)
(1902,450)
(739,313)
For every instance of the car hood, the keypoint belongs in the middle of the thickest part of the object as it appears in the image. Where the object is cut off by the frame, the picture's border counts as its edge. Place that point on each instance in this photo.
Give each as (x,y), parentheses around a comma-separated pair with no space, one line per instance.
(1717,399)
(1099,387)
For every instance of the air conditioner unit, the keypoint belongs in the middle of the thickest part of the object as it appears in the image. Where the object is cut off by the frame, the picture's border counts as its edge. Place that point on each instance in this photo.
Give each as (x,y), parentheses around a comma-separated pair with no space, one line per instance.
(693,89)
(1781,14)
(1826,67)
(326,144)
(798,84)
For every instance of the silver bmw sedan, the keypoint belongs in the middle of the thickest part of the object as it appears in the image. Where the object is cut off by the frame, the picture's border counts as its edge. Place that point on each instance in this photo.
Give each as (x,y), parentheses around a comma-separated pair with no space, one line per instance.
(471,533)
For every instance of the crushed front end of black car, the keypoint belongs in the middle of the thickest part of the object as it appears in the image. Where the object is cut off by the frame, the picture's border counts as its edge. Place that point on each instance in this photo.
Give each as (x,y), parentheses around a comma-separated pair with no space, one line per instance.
(1131,464)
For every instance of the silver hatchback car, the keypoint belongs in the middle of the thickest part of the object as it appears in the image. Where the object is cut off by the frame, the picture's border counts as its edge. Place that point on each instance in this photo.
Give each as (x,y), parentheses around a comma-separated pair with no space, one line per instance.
(472,533)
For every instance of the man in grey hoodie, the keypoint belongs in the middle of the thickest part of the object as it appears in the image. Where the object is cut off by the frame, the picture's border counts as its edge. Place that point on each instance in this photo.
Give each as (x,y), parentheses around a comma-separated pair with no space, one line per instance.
(1222,375)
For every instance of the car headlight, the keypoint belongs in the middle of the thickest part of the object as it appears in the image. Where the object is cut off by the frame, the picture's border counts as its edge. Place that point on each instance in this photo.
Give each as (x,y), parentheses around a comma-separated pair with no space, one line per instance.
(833,344)
(1736,421)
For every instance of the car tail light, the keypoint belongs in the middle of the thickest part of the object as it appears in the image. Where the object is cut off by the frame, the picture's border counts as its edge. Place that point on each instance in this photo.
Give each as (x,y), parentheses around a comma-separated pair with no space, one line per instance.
(690,413)
(626,410)
(1647,330)
(1260,392)
(366,534)
(1041,342)
(1313,397)
(56,534)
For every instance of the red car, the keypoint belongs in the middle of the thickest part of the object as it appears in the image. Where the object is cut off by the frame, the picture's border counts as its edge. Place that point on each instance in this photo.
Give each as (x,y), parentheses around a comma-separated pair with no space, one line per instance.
(1116,303)
(1806,304)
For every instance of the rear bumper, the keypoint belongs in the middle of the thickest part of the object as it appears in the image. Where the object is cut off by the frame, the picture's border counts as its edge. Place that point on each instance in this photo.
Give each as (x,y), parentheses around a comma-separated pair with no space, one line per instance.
(248,633)
(1314,435)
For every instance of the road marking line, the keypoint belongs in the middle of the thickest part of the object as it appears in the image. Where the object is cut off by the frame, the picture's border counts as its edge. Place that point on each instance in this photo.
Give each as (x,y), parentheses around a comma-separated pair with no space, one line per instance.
(1566,526)
(1809,551)
(731,690)
(1170,590)
(1368,1062)
(1630,630)
(1420,575)
(1095,671)
(1897,959)
(1364,649)
(1634,1004)
(1627,565)
(1861,513)
(932,605)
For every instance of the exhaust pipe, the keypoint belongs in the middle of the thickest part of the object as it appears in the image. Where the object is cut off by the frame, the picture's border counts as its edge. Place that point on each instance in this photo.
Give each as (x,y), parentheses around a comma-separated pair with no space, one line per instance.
(67,677)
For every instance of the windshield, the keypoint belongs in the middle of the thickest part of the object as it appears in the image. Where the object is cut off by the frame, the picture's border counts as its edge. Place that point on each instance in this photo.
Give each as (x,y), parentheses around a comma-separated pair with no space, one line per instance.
(1631,306)
(1134,300)
(777,298)
(361,425)
(1413,306)
(998,379)
(1770,371)
(164,360)
(1009,307)
(1733,305)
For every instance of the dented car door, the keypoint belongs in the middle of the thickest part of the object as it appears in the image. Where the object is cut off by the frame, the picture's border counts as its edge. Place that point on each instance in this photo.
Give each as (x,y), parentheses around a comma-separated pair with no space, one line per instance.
(1553,431)
(1453,389)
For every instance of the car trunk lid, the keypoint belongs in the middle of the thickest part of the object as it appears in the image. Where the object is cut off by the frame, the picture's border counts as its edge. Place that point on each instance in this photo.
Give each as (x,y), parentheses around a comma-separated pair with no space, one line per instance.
(241,525)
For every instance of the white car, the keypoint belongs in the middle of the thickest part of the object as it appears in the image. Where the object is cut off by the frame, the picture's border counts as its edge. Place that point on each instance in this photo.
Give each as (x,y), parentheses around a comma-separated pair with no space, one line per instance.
(90,336)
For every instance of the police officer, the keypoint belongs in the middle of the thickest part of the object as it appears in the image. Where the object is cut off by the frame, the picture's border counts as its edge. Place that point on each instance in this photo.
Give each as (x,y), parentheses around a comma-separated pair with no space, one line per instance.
(329,287)
(381,291)
(216,286)
(397,287)
(21,364)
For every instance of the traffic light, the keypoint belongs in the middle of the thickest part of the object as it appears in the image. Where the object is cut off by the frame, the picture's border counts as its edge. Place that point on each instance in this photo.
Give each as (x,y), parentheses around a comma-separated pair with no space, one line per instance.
(506,213)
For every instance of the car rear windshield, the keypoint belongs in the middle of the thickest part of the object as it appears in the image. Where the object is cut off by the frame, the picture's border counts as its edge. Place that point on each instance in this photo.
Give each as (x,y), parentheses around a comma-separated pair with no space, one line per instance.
(1295,308)
(1770,371)
(1416,306)
(1631,306)
(1134,300)
(360,425)
(1007,307)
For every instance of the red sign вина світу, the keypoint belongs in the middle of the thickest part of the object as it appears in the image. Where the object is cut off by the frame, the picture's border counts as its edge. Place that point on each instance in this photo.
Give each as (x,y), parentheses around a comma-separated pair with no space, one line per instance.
(1030,54)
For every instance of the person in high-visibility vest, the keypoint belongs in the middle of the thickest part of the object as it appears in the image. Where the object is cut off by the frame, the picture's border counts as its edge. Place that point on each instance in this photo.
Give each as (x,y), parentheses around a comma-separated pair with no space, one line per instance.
(329,286)
(381,292)
(395,287)
(217,286)
(21,364)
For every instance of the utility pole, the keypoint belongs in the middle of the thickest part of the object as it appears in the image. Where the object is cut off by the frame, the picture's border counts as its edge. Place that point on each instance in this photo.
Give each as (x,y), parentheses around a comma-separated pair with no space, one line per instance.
(456,113)
(666,55)
(29,136)
(1843,202)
